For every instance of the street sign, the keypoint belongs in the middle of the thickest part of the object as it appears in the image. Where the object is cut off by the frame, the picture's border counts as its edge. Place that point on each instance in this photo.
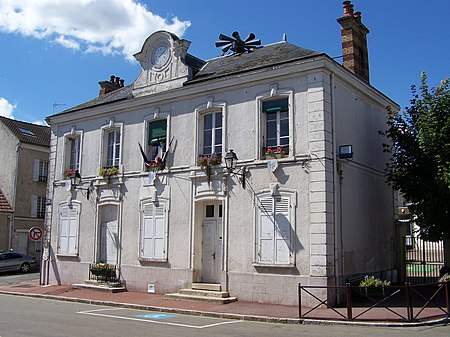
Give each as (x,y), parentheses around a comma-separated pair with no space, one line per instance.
(35,233)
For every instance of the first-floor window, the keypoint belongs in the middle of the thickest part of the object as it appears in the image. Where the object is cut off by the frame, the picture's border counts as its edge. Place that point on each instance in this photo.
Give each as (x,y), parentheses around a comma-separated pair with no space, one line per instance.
(40,170)
(37,207)
(157,139)
(212,133)
(68,230)
(153,236)
(113,148)
(276,126)
(273,232)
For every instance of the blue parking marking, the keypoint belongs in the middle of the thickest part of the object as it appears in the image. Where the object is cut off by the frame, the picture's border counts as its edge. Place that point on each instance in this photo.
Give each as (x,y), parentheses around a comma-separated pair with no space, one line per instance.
(155,316)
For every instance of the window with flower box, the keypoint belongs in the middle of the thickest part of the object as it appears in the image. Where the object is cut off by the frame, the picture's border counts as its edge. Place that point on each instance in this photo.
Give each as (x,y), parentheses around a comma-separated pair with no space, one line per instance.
(276,130)
(72,152)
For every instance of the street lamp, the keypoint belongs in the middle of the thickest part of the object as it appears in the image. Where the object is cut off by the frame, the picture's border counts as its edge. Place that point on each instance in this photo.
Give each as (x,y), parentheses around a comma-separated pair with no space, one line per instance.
(75,181)
(230,163)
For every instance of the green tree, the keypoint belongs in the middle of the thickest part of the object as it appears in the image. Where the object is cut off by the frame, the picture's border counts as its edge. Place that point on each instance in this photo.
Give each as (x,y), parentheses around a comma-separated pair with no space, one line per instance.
(419,144)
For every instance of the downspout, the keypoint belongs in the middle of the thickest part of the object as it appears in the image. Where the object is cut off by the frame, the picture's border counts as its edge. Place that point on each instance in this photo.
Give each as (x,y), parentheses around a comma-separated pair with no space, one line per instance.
(338,251)
(13,201)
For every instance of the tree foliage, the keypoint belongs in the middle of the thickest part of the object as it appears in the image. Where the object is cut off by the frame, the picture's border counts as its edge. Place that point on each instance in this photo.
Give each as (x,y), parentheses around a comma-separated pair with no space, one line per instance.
(419,144)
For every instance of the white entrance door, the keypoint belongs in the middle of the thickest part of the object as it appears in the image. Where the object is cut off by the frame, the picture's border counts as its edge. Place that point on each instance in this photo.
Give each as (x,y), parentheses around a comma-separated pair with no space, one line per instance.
(109,234)
(109,242)
(212,243)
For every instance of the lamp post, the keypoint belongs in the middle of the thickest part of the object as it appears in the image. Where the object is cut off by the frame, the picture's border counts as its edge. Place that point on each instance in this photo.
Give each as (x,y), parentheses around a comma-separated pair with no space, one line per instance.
(230,163)
(75,181)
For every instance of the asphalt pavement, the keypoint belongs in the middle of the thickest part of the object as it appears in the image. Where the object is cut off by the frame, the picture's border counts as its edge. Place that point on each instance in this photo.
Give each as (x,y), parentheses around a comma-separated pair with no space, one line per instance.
(240,310)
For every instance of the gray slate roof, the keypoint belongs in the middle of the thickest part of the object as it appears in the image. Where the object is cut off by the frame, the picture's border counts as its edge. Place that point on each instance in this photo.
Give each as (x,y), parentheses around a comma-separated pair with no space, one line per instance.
(267,56)
(37,135)
(270,55)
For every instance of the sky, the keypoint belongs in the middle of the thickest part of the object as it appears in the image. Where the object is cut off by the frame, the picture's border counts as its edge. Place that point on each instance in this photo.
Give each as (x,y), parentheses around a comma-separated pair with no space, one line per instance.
(53,53)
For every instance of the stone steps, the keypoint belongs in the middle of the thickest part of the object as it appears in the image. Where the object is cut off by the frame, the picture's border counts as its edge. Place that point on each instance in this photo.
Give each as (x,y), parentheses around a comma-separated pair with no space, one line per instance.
(203,292)
(101,286)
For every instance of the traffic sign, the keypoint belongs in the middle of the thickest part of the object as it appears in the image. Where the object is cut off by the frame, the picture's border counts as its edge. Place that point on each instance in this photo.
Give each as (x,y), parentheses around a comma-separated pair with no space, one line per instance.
(35,233)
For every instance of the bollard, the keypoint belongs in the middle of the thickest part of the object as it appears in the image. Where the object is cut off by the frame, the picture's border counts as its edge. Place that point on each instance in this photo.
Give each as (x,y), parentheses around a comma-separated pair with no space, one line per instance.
(349,302)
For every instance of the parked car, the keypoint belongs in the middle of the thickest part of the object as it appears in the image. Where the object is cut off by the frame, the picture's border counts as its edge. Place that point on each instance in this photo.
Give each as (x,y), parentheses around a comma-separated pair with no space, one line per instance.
(12,261)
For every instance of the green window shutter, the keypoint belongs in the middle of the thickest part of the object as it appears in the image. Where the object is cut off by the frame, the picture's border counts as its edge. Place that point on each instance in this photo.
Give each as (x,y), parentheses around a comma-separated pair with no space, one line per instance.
(275,105)
(157,130)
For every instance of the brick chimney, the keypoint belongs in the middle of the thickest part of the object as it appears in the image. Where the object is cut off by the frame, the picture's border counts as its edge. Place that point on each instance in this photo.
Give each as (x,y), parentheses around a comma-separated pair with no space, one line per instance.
(354,42)
(114,83)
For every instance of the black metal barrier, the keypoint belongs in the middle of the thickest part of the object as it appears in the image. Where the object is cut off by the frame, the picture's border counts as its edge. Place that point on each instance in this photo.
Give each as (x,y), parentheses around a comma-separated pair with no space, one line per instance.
(405,303)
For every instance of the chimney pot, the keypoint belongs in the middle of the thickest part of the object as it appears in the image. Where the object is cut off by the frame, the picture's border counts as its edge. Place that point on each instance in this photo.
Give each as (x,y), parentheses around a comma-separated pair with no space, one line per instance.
(112,78)
(122,81)
(348,8)
(117,80)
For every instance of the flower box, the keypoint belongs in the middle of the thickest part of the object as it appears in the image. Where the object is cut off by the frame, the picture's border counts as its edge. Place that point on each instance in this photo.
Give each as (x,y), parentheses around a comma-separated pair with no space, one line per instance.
(270,156)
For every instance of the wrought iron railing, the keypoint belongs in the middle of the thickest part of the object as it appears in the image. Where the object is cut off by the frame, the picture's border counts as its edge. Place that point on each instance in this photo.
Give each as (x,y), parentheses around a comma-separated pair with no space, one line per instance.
(405,303)
(102,272)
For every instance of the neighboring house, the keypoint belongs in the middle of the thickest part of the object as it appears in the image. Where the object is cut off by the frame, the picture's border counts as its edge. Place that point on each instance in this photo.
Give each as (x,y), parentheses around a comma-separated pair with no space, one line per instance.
(5,220)
(24,156)
(304,215)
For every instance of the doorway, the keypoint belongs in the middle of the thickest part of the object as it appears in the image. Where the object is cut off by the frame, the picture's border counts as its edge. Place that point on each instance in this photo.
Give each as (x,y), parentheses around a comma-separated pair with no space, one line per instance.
(212,242)
(109,234)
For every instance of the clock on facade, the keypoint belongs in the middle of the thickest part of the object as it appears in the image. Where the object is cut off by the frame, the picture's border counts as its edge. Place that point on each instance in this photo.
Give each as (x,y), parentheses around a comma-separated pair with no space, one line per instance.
(160,55)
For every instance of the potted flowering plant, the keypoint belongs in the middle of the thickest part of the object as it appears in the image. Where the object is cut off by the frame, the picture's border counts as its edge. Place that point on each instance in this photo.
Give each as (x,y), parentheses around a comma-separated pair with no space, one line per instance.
(103,271)
(107,172)
(274,152)
(374,287)
(207,162)
(70,173)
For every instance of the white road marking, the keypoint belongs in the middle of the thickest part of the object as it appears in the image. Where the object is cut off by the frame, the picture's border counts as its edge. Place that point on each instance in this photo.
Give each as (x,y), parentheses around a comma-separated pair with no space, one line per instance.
(95,313)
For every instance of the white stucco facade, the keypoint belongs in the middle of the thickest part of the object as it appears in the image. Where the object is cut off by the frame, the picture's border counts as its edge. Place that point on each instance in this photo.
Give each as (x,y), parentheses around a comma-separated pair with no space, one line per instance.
(337,216)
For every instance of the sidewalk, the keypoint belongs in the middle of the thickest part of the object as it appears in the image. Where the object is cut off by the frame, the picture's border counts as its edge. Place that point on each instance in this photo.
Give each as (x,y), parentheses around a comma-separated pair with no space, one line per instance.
(237,310)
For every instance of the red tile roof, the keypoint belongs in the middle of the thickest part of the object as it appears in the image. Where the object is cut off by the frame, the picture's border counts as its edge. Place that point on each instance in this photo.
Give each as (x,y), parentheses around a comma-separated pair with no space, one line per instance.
(4,204)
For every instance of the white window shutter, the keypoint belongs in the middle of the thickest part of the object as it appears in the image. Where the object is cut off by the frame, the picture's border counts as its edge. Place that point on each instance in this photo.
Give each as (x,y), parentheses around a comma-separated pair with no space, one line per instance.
(282,231)
(266,239)
(72,233)
(153,232)
(34,203)
(36,170)
(63,235)
(159,239)
(147,237)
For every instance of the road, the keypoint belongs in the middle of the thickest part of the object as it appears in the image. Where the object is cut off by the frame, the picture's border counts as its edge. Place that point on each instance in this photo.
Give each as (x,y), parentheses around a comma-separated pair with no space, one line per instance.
(25,316)
(15,277)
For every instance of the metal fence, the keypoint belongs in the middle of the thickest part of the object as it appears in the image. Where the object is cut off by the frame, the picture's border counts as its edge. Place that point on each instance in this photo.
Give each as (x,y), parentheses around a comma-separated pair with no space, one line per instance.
(405,303)
(423,260)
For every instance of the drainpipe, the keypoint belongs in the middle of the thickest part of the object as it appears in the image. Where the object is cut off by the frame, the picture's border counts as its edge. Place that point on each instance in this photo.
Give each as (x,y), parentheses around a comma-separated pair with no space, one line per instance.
(13,201)
(338,245)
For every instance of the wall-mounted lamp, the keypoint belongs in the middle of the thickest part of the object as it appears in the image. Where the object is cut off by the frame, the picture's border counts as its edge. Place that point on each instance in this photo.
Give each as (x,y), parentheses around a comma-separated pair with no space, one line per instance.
(345,152)
(230,163)
(75,180)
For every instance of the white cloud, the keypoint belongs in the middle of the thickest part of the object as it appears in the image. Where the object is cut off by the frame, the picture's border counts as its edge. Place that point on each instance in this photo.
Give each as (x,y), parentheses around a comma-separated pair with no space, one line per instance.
(107,26)
(6,108)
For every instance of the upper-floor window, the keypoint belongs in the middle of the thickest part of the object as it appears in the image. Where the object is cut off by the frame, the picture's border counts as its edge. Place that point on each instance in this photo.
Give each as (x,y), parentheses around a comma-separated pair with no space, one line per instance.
(276,126)
(157,139)
(113,148)
(211,139)
(40,170)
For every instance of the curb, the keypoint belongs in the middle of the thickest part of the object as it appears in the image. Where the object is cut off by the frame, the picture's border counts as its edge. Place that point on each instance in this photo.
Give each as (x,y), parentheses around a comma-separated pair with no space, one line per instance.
(241,317)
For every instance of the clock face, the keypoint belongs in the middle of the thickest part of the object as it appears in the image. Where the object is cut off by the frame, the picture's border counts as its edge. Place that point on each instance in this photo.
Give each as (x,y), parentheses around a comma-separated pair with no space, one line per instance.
(160,55)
